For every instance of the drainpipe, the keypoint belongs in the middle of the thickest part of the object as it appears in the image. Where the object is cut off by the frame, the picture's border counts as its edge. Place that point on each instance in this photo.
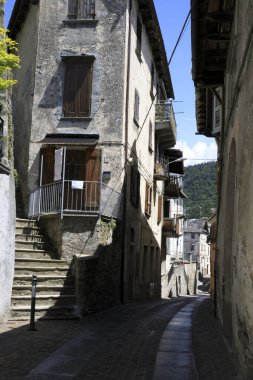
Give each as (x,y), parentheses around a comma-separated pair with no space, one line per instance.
(126,155)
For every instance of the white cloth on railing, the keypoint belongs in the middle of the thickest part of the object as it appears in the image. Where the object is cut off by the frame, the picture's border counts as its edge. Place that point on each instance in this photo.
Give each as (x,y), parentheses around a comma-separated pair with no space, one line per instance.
(77,184)
(58,154)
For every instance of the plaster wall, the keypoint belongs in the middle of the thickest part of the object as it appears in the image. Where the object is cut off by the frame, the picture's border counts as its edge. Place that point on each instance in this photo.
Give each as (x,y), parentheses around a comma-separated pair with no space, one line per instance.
(7,242)
(234,270)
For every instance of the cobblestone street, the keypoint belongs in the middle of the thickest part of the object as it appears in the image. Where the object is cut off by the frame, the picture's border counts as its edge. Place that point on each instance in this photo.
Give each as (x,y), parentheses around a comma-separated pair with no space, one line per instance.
(147,340)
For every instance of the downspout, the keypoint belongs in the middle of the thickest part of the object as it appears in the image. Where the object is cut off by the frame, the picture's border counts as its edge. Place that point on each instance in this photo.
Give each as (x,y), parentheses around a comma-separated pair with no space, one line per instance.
(126,156)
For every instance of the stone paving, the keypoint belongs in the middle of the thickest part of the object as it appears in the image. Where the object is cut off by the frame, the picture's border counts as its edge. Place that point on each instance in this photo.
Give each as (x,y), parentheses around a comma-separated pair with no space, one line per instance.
(141,341)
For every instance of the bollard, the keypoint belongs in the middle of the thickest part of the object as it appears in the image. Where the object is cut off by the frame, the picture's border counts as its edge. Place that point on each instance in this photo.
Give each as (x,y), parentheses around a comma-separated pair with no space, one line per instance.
(32,322)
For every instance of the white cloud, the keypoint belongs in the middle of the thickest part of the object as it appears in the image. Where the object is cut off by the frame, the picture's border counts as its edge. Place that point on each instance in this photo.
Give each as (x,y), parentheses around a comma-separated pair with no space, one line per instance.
(199,152)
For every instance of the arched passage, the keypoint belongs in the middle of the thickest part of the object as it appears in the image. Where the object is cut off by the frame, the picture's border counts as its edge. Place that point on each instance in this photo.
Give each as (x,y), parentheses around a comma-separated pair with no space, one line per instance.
(228,244)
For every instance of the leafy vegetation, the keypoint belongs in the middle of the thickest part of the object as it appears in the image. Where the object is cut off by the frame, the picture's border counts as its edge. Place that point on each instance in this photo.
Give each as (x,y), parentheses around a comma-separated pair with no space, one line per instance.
(200,187)
(8,59)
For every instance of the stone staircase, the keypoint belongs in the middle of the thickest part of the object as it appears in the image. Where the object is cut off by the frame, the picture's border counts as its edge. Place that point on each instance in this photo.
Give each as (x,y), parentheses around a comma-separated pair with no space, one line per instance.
(55,292)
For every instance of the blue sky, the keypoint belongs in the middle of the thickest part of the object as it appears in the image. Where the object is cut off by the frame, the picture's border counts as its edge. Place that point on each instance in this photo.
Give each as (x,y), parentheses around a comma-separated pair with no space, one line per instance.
(172,15)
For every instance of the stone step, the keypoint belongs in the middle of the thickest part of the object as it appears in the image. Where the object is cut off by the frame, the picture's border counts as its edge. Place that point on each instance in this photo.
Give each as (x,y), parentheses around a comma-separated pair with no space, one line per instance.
(43,280)
(28,230)
(56,290)
(32,253)
(26,223)
(30,244)
(45,312)
(33,262)
(48,300)
(29,238)
(40,270)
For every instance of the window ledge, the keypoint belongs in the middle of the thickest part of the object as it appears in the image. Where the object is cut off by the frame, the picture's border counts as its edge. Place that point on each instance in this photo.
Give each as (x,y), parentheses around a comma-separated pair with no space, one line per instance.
(80,21)
(138,53)
(75,118)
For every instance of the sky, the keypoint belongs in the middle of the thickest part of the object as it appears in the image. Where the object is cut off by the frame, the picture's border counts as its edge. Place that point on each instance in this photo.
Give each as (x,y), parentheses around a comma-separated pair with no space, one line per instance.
(172,15)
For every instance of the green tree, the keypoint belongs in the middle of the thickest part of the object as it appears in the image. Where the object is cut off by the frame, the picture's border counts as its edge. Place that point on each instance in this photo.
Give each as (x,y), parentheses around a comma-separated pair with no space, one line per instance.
(8,54)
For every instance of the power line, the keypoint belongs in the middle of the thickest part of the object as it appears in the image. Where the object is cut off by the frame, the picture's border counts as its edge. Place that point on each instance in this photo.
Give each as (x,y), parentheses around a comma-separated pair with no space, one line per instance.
(180,36)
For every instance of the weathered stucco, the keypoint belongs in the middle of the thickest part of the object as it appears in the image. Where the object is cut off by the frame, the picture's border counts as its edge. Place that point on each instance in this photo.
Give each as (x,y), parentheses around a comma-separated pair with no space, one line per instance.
(235,238)
(7,242)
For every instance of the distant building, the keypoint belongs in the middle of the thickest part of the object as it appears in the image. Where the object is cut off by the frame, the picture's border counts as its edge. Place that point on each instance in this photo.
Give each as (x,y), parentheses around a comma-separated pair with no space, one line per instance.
(196,248)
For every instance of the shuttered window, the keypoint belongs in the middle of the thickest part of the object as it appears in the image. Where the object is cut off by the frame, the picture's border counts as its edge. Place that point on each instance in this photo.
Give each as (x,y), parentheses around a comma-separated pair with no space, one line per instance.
(139,36)
(160,206)
(148,199)
(77,88)
(47,154)
(136,107)
(81,9)
(135,187)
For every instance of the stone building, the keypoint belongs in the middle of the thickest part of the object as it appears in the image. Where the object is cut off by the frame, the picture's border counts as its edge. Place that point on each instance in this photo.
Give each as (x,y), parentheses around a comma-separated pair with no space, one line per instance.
(196,247)
(94,128)
(222,73)
(7,201)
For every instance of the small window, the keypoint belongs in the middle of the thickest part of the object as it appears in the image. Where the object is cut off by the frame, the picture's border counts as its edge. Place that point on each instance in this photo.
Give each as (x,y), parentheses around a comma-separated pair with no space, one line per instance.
(150,137)
(81,9)
(77,87)
(160,206)
(192,247)
(152,81)
(139,37)
(193,236)
(148,199)
(135,187)
(166,210)
(136,107)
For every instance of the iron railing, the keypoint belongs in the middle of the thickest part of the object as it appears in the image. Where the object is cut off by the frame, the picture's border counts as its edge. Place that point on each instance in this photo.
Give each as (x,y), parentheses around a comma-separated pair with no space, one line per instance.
(71,197)
(164,112)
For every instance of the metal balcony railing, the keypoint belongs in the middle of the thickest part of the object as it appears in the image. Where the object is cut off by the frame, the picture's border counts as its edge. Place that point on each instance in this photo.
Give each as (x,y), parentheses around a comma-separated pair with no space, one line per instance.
(164,113)
(74,197)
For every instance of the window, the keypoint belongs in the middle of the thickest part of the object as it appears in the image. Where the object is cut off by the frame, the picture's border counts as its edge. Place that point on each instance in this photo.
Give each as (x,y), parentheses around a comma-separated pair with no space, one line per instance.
(160,206)
(166,210)
(77,87)
(148,199)
(81,9)
(135,187)
(152,81)
(150,137)
(139,36)
(192,247)
(136,107)
(193,236)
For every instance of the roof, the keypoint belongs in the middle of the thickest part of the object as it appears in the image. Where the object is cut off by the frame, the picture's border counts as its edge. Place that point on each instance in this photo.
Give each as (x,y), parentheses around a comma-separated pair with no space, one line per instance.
(70,139)
(195,225)
(149,18)
(210,31)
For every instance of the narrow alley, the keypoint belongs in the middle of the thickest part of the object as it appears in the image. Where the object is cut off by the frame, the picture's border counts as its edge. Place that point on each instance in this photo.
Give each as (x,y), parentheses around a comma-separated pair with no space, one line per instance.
(174,339)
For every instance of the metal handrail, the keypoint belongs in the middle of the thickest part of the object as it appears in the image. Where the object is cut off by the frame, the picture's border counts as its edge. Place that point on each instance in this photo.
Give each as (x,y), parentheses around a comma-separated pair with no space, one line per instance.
(75,197)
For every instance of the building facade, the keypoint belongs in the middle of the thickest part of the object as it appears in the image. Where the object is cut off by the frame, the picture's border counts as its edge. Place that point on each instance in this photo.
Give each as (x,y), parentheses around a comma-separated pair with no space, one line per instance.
(7,201)
(222,73)
(94,128)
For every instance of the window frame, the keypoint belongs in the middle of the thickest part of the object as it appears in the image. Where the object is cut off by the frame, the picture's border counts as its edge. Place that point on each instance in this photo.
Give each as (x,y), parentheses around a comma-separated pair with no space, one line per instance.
(81,10)
(77,88)
(148,200)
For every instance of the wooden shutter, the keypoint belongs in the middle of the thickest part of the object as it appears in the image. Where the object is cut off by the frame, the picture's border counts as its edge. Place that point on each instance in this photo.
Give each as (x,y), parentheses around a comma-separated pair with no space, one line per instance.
(160,204)
(83,99)
(146,199)
(48,165)
(77,88)
(72,9)
(93,172)
(135,187)
(70,90)
(139,35)
(136,106)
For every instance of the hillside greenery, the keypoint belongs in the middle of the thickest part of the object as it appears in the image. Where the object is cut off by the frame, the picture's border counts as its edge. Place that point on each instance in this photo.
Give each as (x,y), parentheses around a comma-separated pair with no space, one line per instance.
(200,187)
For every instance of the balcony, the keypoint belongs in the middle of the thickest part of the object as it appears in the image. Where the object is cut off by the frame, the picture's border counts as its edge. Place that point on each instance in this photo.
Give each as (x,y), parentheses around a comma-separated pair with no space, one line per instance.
(171,188)
(165,125)
(76,198)
(171,227)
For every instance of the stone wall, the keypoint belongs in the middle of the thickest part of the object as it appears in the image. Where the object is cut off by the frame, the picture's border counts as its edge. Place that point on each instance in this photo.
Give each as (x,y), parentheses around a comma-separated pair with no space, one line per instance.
(234,239)
(180,280)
